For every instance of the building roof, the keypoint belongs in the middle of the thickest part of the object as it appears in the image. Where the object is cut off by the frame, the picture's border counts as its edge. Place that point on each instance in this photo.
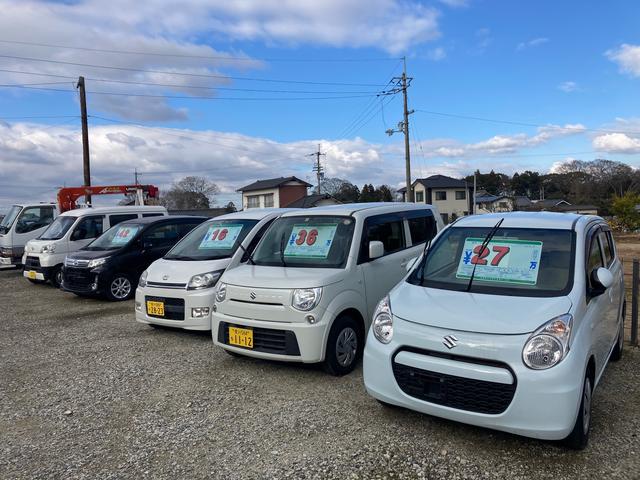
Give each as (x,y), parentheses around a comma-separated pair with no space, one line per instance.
(271,183)
(488,198)
(309,201)
(441,181)
(522,201)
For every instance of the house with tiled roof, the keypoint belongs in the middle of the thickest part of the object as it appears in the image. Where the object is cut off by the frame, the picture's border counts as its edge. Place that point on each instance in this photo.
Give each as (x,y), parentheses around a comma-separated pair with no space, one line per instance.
(273,192)
(452,196)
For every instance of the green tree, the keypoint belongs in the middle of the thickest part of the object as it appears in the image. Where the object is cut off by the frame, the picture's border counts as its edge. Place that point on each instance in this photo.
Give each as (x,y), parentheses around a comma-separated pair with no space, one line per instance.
(383,193)
(368,194)
(625,211)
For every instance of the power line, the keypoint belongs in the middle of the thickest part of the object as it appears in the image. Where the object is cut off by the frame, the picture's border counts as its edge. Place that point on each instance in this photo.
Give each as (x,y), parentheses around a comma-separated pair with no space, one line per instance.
(524,124)
(204,57)
(28,117)
(187,74)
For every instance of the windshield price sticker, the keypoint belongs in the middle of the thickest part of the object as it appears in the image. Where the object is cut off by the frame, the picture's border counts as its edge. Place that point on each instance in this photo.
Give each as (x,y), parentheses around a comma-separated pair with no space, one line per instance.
(220,235)
(124,234)
(504,261)
(309,241)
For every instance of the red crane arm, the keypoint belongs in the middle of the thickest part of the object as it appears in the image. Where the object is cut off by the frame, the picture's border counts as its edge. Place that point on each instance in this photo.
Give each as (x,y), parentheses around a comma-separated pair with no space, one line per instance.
(67,196)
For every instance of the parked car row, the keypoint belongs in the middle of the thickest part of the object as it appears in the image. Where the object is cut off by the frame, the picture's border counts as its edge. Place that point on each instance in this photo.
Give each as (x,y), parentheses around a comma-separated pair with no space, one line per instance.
(505,321)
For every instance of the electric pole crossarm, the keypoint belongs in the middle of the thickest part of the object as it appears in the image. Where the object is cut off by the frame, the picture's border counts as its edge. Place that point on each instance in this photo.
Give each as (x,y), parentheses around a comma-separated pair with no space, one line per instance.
(317,167)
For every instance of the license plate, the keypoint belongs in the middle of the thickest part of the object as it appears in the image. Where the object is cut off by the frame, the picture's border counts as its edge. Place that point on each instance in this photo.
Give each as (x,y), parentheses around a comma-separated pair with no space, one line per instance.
(31,274)
(241,337)
(155,308)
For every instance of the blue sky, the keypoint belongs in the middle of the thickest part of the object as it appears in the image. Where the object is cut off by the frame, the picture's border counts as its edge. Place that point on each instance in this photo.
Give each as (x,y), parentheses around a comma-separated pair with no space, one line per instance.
(566,73)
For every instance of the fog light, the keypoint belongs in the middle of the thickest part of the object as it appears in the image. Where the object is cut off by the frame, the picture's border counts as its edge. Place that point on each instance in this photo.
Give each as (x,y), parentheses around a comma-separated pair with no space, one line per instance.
(139,306)
(311,319)
(199,312)
(94,286)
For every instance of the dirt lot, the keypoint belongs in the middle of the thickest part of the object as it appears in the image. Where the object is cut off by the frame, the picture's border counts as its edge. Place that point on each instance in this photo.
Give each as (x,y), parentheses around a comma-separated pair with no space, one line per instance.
(86,392)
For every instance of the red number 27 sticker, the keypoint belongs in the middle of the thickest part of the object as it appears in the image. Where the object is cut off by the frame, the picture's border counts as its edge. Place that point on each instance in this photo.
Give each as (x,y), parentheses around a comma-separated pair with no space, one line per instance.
(480,257)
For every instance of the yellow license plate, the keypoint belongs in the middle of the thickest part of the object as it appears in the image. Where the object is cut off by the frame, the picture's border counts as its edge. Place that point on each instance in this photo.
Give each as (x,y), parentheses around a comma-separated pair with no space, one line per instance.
(241,337)
(31,274)
(155,308)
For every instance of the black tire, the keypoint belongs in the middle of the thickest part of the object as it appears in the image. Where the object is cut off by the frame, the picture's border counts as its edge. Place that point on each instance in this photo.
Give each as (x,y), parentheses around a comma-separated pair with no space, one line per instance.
(578,439)
(56,277)
(119,288)
(616,354)
(344,346)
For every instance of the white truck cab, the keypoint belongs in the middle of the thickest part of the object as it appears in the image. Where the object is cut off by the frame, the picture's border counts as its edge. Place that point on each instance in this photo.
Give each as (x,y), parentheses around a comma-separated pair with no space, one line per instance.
(44,256)
(178,290)
(313,282)
(22,223)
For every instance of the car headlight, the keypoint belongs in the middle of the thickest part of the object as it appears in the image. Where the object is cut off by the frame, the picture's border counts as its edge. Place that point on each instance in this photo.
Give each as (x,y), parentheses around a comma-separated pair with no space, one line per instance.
(204,280)
(96,262)
(143,279)
(383,321)
(49,248)
(221,292)
(549,344)
(306,299)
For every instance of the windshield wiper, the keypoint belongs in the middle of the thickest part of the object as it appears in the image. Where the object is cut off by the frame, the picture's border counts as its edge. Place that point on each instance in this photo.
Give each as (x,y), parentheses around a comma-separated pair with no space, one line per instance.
(486,241)
(282,242)
(250,257)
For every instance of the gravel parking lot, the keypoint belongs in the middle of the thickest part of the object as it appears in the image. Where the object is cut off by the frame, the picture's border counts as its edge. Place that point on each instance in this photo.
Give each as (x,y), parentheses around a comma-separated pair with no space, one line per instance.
(87,392)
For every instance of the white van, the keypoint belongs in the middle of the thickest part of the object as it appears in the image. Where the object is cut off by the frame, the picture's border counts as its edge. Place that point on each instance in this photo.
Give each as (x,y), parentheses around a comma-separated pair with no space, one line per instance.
(178,290)
(71,231)
(21,224)
(310,291)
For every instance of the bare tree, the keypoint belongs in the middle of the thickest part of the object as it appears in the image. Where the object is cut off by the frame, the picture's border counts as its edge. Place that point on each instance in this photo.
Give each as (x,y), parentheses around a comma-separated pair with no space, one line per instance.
(191,193)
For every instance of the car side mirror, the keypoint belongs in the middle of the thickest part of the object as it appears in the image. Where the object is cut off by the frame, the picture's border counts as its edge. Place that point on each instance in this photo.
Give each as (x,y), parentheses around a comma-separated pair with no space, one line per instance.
(601,279)
(376,249)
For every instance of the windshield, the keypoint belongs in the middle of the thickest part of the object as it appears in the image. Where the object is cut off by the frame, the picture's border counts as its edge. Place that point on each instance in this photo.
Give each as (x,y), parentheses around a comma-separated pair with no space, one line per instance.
(517,261)
(212,240)
(58,228)
(8,220)
(313,241)
(116,237)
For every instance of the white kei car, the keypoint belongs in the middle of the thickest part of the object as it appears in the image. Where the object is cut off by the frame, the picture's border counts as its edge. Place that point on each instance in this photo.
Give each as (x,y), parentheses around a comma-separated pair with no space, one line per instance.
(507,322)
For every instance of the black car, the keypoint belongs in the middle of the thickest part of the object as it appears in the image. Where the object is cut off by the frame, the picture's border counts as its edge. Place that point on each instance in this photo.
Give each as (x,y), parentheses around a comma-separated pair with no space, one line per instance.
(111,265)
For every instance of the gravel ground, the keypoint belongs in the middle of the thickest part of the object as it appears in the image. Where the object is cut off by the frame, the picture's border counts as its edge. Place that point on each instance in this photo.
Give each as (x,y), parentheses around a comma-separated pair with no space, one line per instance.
(86,392)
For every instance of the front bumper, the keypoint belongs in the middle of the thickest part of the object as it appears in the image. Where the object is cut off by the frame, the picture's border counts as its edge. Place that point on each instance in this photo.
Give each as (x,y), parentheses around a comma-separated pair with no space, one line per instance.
(181,302)
(81,280)
(11,256)
(295,342)
(34,270)
(543,404)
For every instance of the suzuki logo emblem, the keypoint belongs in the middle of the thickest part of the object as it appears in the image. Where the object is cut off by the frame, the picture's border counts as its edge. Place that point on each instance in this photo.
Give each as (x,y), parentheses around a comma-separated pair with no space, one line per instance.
(253,295)
(165,277)
(450,341)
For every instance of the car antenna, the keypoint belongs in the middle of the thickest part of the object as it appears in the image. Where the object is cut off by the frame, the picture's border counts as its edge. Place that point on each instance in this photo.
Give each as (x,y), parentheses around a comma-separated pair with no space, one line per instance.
(486,241)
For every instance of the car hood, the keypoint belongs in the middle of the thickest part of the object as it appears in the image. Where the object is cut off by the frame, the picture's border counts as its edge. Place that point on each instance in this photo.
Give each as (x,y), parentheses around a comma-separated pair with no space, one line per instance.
(34,246)
(475,312)
(181,271)
(259,276)
(91,254)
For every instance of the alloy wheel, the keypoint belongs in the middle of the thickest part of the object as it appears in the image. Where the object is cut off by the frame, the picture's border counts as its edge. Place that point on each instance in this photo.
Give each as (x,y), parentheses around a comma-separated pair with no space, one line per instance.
(120,288)
(346,346)
(586,405)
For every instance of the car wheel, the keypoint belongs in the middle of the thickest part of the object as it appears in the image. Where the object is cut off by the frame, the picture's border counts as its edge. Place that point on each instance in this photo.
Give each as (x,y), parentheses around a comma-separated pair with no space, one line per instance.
(616,354)
(119,288)
(579,436)
(56,277)
(344,346)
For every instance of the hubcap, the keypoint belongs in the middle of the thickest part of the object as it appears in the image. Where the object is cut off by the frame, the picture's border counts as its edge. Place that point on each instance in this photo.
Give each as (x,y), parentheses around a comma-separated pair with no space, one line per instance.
(346,346)
(120,287)
(586,405)
(58,278)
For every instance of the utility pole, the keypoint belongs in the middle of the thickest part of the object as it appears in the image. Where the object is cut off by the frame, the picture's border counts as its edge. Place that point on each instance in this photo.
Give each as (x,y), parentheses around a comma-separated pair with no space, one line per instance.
(317,167)
(402,83)
(85,137)
(135,176)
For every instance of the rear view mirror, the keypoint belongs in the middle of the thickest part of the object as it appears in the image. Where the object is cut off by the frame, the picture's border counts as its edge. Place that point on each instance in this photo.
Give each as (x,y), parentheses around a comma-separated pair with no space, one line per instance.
(601,279)
(376,249)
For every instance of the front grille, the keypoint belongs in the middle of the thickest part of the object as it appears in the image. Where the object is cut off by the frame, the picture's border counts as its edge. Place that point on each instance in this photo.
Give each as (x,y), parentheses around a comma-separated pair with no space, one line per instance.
(166,285)
(173,307)
(32,263)
(77,279)
(267,340)
(456,392)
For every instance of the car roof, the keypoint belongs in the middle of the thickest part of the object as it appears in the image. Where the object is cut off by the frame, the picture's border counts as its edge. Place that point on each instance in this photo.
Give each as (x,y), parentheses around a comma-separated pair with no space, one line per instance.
(255,213)
(167,218)
(550,220)
(373,208)
(80,212)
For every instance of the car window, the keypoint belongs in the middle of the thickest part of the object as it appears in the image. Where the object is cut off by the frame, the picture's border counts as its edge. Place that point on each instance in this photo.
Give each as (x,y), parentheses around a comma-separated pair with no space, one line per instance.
(386,229)
(162,235)
(595,258)
(606,248)
(88,227)
(33,218)
(58,228)
(421,229)
(254,241)
(612,245)
(145,215)
(116,219)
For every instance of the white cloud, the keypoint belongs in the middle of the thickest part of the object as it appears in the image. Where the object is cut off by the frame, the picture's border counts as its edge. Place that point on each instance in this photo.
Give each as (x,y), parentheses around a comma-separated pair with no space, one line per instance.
(627,57)
(437,54)
(456,3)
(568,86)
(535,42)
(617,143)
(483,38)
